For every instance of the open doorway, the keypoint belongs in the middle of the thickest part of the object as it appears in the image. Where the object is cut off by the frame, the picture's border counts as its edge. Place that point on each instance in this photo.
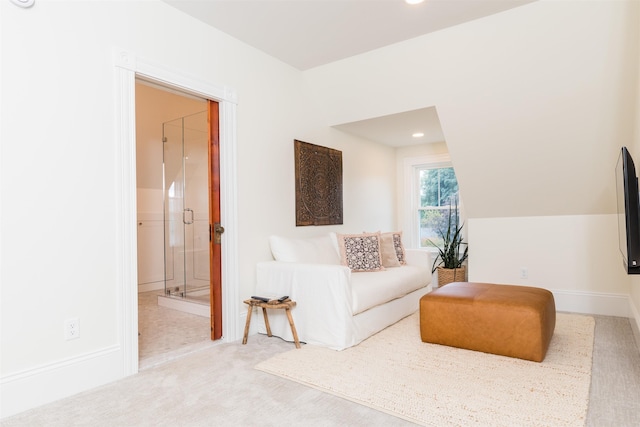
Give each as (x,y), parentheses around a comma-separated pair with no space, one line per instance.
(177,207)
(130,67)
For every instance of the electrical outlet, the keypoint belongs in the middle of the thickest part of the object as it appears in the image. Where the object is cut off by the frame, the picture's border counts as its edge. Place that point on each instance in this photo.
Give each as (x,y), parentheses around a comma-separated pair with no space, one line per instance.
(71,329)
(524,273)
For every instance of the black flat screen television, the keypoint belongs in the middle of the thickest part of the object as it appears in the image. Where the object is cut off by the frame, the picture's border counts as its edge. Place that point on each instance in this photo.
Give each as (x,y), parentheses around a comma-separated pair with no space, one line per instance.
(628,212)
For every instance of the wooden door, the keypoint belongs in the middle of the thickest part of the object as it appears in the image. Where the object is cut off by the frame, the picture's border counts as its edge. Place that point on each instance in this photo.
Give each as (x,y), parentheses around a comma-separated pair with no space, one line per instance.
(215,227)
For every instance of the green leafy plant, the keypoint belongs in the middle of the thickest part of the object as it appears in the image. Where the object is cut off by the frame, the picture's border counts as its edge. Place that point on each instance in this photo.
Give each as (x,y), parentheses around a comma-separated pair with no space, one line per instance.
(449,251)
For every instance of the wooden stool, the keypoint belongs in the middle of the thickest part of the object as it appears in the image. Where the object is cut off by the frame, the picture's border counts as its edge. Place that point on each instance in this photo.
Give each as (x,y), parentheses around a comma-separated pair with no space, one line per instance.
(286,305)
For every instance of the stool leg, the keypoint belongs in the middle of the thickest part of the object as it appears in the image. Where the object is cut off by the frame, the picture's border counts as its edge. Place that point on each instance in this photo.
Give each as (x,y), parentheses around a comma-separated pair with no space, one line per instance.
(246,325)
(293,328)
(266,321)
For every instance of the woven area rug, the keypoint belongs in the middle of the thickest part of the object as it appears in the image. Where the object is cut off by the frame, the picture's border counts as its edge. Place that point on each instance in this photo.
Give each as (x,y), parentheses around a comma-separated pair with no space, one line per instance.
(434,385)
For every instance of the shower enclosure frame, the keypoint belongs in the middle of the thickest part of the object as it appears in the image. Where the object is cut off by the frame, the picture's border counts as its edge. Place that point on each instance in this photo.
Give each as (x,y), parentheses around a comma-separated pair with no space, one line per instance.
(187,272)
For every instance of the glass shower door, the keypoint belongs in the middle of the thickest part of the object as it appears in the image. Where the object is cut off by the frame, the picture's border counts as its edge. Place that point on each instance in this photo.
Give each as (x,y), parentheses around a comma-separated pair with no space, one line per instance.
(186,209)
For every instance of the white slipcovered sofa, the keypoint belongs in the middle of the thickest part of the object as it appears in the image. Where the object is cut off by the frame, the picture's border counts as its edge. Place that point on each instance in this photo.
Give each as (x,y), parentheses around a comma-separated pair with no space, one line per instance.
(338,307)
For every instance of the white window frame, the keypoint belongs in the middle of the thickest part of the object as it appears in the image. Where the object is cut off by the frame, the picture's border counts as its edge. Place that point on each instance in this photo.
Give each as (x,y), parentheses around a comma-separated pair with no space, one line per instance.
(412,166)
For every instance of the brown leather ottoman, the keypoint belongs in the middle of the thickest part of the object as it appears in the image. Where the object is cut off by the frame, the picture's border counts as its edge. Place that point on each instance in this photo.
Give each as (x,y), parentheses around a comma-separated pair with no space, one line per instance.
(515,321)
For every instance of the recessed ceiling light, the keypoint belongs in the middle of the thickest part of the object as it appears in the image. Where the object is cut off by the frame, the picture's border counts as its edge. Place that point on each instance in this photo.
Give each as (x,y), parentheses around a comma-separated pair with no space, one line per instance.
(413,1)
(23,3)
(418,135)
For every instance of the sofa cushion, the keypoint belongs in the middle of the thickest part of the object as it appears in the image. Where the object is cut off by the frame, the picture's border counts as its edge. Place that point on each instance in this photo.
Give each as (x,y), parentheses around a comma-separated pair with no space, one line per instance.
(370,289)
(311,250)
(360,252)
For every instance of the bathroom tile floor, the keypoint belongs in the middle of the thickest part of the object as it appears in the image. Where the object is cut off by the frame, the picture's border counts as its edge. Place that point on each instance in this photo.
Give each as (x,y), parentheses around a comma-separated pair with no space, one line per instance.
(166,334)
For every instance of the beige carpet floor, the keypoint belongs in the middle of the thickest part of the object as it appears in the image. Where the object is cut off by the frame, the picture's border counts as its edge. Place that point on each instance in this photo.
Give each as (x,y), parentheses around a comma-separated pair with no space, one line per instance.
(437,385)
(218,386)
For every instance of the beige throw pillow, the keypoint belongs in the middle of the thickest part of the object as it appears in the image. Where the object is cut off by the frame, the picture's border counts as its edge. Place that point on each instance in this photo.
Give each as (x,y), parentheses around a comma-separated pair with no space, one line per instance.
(392,249)
(388,250)
(396,236)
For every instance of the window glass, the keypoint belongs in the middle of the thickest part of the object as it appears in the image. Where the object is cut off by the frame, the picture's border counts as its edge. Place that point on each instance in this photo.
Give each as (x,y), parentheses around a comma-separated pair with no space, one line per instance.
(438,189)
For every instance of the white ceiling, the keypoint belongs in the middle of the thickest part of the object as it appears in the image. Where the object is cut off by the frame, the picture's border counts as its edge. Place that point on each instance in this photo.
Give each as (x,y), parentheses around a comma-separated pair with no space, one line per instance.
(396,130)
(311,33)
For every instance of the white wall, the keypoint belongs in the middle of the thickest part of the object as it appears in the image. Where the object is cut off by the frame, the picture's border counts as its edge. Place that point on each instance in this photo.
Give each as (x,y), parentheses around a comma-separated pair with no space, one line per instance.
(61,175)
(634,148)
(574,256)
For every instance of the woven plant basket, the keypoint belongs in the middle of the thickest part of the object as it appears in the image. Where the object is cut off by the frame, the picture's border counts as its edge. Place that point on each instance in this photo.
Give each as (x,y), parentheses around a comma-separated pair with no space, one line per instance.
(450,275)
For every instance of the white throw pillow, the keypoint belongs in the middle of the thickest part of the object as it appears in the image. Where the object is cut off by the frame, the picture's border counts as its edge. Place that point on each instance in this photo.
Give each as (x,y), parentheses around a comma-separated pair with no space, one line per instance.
(311,250)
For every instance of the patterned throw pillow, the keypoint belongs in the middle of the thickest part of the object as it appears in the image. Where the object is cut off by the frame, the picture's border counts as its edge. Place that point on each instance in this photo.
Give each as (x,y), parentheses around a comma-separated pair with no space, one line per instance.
(398,246)
(360,252)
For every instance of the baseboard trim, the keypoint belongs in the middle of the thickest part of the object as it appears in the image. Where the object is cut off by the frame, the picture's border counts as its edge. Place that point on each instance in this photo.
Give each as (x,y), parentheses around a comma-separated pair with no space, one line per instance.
(598,303)
(31,388)
(635,322)
(186,306)
(151,286)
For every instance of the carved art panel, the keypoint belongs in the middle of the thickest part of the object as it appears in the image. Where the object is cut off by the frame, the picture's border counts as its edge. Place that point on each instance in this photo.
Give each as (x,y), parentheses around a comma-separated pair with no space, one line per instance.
(318,184)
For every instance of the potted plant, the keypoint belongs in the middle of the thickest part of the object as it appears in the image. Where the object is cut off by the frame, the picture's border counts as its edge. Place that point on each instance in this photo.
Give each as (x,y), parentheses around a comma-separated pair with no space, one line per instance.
(450,256)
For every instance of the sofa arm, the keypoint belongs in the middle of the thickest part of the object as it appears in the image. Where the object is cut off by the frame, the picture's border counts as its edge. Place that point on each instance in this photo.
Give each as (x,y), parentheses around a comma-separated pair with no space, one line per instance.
(323,295)
(418,257)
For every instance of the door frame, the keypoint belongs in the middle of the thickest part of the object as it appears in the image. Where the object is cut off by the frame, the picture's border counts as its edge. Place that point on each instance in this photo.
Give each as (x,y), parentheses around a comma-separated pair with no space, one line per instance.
(128,67)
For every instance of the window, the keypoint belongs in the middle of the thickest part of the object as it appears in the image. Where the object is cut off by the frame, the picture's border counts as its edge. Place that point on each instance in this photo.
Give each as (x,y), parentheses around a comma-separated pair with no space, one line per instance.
(437,193)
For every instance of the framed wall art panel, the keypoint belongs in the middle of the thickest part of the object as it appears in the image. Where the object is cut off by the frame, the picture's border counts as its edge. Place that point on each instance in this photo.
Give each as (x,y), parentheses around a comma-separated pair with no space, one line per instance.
(318,184)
